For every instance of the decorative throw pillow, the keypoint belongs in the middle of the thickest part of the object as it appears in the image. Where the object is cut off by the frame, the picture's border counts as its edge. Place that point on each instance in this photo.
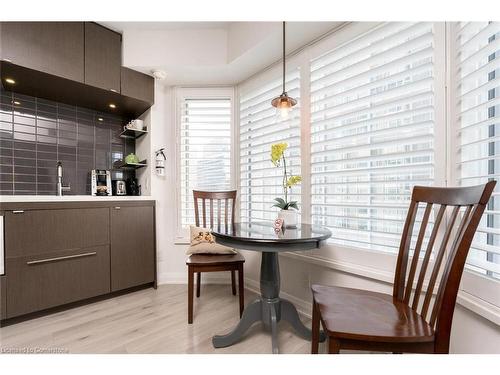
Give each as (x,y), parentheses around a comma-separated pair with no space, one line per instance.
(203,242)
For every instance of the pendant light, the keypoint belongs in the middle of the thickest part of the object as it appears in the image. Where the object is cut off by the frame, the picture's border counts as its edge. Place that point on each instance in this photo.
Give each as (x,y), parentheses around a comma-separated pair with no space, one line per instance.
(283,103)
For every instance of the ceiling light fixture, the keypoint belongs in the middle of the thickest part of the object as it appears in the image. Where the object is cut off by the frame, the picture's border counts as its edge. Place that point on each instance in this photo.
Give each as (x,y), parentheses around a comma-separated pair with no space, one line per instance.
(283,103)
(111,105)
(10,80)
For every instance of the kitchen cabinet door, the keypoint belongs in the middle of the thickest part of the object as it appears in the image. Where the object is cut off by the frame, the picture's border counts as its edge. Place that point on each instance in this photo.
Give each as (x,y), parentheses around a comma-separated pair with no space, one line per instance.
(37,282)
(3,298)
(52,47)
(103,57)
(132,246)
(137,85)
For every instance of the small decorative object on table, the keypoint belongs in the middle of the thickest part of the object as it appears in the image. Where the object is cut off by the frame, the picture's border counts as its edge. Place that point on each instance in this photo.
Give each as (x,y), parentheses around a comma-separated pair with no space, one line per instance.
(289,209)
(278,225)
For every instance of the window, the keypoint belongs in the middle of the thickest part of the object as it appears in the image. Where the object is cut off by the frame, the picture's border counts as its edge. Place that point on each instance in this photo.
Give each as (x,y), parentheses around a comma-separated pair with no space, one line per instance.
(205,149)
(372,133)
(260,180)
(378,117)
(478,120)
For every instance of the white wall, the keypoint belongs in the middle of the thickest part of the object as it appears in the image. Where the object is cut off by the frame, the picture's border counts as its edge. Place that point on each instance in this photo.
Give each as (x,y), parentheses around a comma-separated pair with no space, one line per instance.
(471,333)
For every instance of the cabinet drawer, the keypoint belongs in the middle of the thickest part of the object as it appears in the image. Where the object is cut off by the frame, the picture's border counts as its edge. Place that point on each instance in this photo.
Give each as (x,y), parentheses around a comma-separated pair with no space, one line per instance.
(41,231)
(39,282)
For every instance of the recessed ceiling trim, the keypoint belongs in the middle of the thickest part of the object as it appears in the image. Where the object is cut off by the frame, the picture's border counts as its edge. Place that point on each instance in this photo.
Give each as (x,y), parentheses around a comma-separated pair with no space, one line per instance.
(296,51)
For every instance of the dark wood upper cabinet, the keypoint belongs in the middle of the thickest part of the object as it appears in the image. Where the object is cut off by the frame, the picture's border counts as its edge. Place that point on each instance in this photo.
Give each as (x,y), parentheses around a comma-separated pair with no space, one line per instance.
(103,57)
(132,246)
(52,47)
(137,85)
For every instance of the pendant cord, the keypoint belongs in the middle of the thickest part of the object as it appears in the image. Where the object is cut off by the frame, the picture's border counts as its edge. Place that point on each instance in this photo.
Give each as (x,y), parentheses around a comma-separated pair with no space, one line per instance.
(284,72)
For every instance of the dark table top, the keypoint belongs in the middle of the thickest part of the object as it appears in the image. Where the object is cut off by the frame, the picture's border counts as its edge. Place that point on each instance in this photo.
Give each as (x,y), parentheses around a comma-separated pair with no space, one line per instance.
(260,236)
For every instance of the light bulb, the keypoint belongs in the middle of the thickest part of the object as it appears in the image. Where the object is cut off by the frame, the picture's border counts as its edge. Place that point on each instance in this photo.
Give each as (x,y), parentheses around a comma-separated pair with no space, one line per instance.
(284,112)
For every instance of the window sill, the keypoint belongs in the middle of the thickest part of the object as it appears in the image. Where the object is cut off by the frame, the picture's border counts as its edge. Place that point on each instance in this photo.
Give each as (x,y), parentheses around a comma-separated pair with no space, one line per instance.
(479,306)
(466,299)
(182,241)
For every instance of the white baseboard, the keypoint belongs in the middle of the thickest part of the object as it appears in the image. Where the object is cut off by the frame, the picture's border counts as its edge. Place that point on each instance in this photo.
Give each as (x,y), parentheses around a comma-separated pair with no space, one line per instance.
(181,278)
(303,307)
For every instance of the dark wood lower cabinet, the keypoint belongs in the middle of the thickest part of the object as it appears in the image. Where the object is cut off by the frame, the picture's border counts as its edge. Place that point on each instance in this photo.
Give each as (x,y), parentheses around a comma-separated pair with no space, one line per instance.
(40,231)
(3,299)
(132,246)
(59,253)
(40,282)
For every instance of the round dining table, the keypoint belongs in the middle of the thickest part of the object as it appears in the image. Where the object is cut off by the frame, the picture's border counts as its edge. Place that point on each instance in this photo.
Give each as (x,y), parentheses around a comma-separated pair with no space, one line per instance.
(269,308)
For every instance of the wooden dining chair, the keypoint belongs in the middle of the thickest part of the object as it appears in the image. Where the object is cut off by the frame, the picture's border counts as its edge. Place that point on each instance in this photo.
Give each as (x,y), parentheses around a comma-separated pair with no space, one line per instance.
(199,263)
(411,319)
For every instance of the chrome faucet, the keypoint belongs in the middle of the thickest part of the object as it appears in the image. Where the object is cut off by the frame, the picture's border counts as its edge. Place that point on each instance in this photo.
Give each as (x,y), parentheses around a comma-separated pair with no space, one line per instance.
(60,186)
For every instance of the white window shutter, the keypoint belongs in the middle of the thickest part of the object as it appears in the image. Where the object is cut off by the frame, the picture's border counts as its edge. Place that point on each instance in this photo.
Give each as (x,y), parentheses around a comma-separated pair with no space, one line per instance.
(260,180)
(478,128)
(205,150)
(372,133)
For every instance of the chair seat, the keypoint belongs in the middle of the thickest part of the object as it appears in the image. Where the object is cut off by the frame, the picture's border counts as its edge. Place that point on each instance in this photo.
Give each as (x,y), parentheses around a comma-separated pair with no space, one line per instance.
(214,259)
(369,316)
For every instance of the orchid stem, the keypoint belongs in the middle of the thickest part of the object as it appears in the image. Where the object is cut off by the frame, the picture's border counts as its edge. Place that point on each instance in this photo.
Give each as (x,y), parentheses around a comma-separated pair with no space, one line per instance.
(285,179)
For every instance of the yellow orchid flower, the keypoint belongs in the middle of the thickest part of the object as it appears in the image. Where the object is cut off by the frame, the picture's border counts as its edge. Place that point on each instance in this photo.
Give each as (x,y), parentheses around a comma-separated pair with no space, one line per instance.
(277,151)
(293,180)
(279,160)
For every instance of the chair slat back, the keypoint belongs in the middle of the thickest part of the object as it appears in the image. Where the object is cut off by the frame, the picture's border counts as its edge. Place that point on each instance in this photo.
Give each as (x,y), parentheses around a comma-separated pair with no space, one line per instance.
(449,253)
(215,214)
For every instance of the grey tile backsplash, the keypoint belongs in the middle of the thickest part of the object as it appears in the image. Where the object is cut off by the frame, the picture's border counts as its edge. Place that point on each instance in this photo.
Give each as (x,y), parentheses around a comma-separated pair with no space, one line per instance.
(36,133)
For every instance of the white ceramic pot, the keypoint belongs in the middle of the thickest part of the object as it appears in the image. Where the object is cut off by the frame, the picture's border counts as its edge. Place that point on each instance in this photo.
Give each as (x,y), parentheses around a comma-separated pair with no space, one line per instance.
(289,218)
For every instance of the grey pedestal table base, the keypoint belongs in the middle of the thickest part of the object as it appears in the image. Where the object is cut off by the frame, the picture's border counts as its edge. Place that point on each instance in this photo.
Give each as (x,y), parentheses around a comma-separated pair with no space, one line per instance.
(269,309)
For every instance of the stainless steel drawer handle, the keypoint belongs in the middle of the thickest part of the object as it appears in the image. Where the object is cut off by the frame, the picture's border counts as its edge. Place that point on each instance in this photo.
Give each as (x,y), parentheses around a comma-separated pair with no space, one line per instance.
(117,207)
(61,258)
(18,212)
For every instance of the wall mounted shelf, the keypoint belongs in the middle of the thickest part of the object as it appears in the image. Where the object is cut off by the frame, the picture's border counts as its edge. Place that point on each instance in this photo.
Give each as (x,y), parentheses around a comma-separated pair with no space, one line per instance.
(123,165)
(133,133)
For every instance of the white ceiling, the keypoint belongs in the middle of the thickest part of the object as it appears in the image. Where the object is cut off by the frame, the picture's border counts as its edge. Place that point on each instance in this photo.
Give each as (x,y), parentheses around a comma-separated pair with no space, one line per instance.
(122,26)
(194,53)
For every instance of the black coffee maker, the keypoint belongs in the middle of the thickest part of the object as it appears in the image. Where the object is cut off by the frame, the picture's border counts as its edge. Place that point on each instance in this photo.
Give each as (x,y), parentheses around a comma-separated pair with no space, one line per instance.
(133,187)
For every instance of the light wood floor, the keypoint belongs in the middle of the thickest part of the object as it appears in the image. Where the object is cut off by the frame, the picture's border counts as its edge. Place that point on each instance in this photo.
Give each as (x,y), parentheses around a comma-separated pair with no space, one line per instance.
(149,321)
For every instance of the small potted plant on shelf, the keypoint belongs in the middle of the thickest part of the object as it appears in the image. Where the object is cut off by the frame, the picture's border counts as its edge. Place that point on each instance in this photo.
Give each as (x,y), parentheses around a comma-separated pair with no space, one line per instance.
(288,208)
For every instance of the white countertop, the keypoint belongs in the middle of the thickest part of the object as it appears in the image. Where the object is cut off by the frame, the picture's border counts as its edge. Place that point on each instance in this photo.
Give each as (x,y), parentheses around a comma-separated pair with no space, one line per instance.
(69,198)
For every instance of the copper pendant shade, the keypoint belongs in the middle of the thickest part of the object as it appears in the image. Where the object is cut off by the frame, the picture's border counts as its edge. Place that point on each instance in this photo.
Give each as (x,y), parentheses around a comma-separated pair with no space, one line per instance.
(283,102)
